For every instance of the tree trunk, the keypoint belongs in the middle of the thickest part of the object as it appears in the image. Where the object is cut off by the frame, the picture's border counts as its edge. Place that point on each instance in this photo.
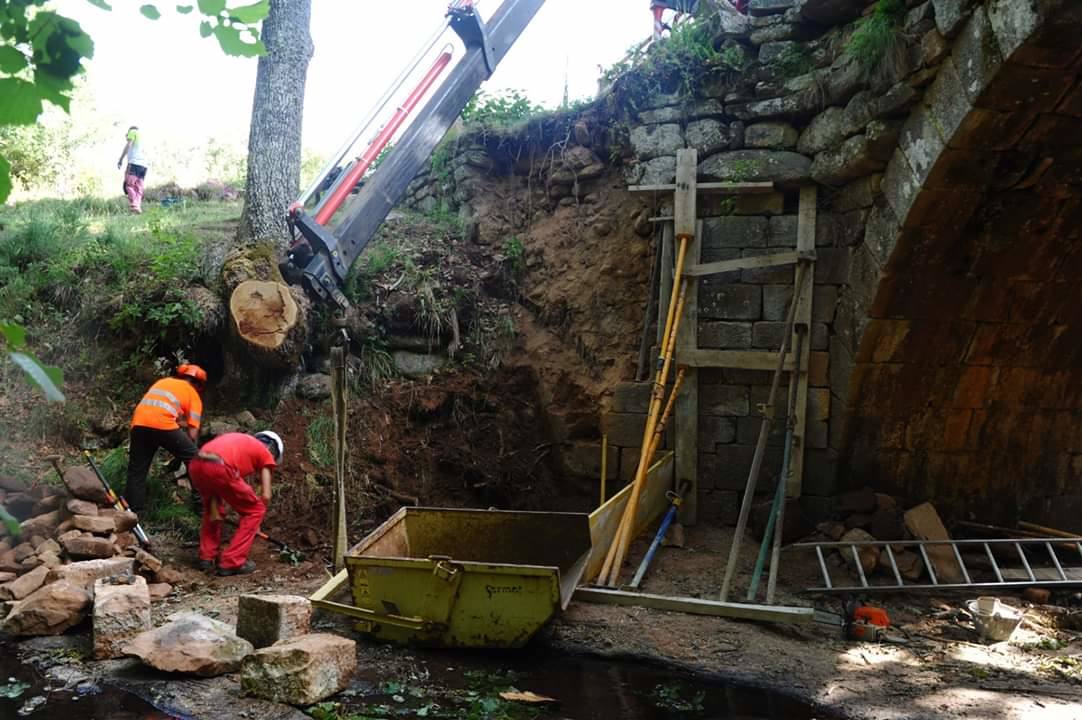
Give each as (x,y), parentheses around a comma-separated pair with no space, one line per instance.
(274,141)
(269,320)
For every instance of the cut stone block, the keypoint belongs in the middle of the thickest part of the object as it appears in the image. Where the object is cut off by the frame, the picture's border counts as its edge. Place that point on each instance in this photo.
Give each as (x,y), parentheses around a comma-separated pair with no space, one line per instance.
(82,507)
(94,524)
(266,619)
(24,585)
(89,547)
(83,574)
(48,611)
(191,643)
(121,612)
(300,671)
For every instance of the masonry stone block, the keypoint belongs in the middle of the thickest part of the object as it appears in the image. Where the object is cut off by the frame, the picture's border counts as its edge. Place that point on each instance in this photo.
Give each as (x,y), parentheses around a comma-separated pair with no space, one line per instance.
(780,166)
(921,142)
(714,430)
(662,115)
(770,7)
(759,204)
(658,171)
(768,335)
(730,465)
(725,335)
(720,506)
(734,232)
(819,369)
(748,428)
(631,397)
(831,12)
(770,135)
(713,254)
(629,463)
(723,400)
(1013,22)
(624,429)
(856,157)
(264,620)
(781,232)
(832,266)
(652,141)
(583,458)
(776,299)
(824,303)
(900,185)
(708,135)
(718,301)
(951,14)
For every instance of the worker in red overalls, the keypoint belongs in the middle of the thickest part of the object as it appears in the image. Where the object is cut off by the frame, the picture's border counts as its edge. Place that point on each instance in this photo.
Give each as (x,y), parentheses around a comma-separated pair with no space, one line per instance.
(219,474)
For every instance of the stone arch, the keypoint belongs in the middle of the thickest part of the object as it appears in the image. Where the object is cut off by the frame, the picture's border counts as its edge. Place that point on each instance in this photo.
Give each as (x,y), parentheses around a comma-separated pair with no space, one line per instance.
(960,331)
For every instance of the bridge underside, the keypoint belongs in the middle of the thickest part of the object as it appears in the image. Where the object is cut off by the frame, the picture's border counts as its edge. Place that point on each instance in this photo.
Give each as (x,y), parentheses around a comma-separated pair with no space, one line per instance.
(967,377)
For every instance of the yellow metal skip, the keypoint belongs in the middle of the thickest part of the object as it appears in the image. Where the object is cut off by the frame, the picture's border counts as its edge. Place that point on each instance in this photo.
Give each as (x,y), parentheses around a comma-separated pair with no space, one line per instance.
(463,578)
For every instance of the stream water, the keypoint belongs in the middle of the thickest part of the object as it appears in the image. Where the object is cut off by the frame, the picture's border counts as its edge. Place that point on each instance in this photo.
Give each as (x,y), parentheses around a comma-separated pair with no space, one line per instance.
(445,685)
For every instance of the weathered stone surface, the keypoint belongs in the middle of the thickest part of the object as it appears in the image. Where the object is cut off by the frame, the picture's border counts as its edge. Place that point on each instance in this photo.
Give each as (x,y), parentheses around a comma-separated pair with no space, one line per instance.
(49,559)
(582,458)
(780,166)
(85,485)
(725,335)
(923,523)
(723,400)
(316,386)
(950,14)
(770,7)
(301,671)
(722,301)
(93,524)
(772,135)
(191,643)
(798,104)
(50,610)
(89,547)
(22,551)
(24,585)
(708,136)
(83,574)
(658,171)
(869,555)
(145,560)
(651,141)
(44,525)
(831,12)
(82,507)
(624,429)
(858,156)
(733,232)
(417,365)
(121,612)
(267,619)
(47,504)
(159,591)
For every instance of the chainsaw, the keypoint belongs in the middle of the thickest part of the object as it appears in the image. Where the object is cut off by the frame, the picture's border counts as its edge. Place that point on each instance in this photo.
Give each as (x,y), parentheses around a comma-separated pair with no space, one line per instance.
(861,623)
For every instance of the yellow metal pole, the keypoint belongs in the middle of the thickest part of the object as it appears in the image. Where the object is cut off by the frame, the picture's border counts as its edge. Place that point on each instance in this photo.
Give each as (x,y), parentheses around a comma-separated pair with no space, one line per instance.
(604,466)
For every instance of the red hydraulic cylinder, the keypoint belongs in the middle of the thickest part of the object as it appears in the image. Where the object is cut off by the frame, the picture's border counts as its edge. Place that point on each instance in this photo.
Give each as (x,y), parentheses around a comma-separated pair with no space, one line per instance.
(345,184)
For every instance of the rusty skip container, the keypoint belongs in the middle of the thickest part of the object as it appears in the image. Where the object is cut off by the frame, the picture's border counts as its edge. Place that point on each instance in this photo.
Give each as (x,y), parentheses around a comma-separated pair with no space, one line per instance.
(466,578)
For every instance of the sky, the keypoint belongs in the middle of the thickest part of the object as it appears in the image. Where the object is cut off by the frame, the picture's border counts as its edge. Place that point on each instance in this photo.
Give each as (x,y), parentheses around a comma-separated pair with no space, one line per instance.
(161,76)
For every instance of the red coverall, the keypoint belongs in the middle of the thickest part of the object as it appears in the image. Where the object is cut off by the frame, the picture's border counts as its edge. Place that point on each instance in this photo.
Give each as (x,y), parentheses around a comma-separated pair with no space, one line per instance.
(217,482)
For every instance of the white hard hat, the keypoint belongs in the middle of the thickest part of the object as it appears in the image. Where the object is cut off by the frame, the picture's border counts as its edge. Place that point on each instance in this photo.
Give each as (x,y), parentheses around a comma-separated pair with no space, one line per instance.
(272,438)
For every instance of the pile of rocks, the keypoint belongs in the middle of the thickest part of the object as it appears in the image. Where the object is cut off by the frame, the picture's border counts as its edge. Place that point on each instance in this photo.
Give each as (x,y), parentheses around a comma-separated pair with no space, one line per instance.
(66,543)
(867,516)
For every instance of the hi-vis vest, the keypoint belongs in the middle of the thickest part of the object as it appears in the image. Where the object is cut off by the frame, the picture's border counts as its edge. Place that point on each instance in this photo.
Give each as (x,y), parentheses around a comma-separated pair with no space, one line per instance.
(167,403)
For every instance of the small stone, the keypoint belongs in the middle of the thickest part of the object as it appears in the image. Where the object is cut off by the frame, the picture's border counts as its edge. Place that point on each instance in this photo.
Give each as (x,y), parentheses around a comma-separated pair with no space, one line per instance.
(93,524)
(68,535)
(125,540)
(49,559)
(44,525)
(89,547)
(301,671)
(869,554)
(121,612)
(6,577)
(831,529)
(316,386)
(83,574)
(49,546)
(50,610)
(36,541)
(266,619)
(159,591)
(247,419)
(25,585)
(191,643)
(125,521)
(85,485)
(23,551)
(168,575)
(417,365)
(147,561)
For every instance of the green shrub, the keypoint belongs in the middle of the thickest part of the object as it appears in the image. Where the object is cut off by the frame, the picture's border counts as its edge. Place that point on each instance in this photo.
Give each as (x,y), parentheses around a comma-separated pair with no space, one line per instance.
(501,109)
(877,36)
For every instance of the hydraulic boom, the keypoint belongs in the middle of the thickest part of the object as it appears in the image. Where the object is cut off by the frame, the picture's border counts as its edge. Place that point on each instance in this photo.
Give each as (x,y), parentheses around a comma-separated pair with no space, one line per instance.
(323,256)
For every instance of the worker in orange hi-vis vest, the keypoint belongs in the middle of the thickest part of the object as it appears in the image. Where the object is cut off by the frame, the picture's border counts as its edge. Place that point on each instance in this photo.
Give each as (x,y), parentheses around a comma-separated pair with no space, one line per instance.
(157,423)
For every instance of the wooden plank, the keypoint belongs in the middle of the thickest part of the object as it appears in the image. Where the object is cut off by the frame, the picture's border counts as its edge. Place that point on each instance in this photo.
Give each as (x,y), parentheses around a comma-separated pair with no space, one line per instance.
(1074,574)
(330,587)
(605,520)
(721,266)
(745,188)
(805,246)
(697,606)
(686,413)
(924,523)
(744,359)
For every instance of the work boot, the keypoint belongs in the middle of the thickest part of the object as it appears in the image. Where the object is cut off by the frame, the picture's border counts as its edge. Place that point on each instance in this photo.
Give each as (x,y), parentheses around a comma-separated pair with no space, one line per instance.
(246,569)
(205,565)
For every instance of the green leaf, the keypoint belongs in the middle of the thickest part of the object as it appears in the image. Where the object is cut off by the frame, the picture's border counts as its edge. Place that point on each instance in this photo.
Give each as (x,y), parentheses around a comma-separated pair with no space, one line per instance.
(5,180)
(101,4)
(20,102)
(14,530)
(184,9)
(15,335)
(211,7)
(251,14)
(47,378)
(11,60)
(53,89)
(233,43)
(150,11)
(205,29)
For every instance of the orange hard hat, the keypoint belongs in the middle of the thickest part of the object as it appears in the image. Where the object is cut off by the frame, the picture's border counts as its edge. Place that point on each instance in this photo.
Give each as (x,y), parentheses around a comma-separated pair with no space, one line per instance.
(194,372)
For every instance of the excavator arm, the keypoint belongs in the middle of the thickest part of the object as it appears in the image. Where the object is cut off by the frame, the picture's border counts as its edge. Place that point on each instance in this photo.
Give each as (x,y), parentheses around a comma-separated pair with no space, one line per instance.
(322,256)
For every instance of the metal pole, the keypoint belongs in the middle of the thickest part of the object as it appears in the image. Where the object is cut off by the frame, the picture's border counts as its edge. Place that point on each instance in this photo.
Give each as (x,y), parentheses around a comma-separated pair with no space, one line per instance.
(338,399)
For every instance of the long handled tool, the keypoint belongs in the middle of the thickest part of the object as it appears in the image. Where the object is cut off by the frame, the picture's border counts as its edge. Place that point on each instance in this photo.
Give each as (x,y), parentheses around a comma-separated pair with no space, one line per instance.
(294,556)
(675,499)
(764,433)
(117,501)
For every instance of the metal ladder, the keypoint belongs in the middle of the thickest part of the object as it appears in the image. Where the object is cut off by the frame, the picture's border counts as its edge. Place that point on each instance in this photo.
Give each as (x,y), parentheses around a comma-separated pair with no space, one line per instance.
(993,576)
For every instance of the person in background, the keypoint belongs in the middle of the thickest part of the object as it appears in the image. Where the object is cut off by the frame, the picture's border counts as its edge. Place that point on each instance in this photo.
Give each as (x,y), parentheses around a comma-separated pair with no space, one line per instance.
(219,474)
(136,172)
(156,423)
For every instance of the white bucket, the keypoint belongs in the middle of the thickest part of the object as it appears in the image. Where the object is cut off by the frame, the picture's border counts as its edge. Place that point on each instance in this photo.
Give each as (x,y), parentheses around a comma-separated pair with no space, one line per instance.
(996,623)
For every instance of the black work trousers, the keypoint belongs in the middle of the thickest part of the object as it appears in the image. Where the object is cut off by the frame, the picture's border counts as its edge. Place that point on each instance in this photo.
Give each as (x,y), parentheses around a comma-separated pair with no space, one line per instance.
(144,443)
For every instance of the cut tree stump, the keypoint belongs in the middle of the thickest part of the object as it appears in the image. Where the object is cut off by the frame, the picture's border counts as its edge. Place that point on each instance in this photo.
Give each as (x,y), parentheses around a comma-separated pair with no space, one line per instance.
(269,321)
